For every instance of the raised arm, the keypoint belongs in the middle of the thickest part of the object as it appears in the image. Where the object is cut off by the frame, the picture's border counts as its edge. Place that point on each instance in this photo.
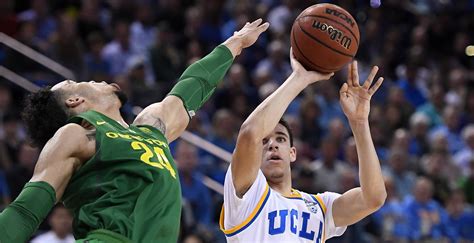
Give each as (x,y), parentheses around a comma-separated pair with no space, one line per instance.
(197,83)
(57,162)
(247,157)
(360,202)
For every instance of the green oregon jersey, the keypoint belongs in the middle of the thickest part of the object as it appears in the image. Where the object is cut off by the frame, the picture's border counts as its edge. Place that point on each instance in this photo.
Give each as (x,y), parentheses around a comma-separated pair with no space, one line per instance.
(130,186)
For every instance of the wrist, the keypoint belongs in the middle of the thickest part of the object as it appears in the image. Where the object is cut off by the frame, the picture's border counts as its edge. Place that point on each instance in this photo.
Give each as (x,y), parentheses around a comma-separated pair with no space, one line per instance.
(234,44)
(357,124)
(299,80)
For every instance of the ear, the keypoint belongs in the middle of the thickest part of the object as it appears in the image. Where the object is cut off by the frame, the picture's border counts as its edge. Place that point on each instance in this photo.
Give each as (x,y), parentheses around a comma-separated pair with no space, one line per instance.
(74,101)
(292,154)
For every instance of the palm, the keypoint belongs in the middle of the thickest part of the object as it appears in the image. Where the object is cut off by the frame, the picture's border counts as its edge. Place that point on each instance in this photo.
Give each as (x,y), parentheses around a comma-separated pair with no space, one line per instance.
(354,98)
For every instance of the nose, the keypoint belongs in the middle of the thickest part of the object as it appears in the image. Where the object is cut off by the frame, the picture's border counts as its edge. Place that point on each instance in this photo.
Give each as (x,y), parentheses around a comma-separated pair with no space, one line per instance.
(272,145)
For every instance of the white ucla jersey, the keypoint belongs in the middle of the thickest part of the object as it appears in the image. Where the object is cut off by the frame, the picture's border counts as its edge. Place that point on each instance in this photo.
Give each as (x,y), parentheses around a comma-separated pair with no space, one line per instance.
(264,215)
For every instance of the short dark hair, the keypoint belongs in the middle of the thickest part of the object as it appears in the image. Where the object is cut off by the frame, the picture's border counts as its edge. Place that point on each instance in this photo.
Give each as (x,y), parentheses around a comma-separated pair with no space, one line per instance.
(43,115)
(284,123)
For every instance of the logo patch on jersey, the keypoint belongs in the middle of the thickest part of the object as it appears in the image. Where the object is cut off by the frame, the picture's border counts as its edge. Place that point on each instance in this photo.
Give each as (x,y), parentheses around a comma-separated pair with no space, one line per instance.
(100,122)
(145,130)
(312,206)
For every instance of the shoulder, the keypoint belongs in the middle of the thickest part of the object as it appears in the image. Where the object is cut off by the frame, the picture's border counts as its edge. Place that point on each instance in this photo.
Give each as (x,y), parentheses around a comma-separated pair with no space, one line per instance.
(71,130)
(72,138)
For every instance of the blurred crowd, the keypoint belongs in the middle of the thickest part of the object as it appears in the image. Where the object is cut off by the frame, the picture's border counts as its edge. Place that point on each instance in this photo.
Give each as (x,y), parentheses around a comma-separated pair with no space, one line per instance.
(422,119)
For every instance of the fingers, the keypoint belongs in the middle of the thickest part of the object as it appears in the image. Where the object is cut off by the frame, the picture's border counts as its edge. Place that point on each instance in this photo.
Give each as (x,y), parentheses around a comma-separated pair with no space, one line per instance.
(349,73)
(376,86)
(355,75)
(371,77)
(263,27)
(343,90)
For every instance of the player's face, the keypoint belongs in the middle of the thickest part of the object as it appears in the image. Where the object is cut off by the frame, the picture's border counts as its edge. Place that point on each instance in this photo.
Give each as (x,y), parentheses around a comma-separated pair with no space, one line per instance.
(88,95)
(91,87)
(277,154)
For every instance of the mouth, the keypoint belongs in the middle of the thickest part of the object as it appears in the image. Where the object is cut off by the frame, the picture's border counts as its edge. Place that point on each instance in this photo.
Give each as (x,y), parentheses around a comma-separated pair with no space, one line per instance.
(274,158)
(116,86)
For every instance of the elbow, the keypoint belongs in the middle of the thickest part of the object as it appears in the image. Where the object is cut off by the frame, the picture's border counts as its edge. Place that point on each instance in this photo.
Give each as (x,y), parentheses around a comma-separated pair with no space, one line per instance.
(377,201)
(249,133)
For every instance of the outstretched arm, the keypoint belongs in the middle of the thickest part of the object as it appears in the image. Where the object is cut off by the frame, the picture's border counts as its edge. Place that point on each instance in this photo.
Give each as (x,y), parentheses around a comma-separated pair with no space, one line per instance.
(56,164)
(360,202)
(247,157)
(197,83)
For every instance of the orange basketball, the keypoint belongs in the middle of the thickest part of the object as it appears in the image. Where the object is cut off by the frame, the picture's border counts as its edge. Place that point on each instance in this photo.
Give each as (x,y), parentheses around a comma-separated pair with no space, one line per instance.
(324,38)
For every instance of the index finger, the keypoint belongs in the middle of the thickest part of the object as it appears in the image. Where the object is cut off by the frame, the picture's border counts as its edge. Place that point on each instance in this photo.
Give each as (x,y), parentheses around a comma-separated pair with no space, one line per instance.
(355,74)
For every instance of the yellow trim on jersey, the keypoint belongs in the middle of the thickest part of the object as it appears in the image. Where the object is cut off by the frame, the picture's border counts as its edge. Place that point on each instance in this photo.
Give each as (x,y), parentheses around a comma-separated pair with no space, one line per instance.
(294,194)
(323,206)
(249,219)
(321,202)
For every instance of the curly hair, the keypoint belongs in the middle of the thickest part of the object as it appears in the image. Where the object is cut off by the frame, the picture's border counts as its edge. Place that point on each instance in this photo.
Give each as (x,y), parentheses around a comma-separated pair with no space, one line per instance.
(43,115)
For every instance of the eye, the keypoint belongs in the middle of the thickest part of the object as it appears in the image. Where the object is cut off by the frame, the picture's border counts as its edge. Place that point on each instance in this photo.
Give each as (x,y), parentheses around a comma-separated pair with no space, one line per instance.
(265,141)
(281,139)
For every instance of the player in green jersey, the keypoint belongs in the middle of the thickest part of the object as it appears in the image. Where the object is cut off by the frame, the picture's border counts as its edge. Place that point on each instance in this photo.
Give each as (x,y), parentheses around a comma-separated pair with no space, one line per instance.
(119,180)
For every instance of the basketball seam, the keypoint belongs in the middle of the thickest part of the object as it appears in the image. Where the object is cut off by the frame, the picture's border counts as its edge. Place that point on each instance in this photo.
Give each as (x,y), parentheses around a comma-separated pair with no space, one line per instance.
(307,59)
(340,23)
(322,43)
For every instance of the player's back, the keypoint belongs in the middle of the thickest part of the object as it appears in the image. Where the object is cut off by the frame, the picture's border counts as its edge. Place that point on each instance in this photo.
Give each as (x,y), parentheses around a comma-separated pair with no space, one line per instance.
(130,186)
(264,215)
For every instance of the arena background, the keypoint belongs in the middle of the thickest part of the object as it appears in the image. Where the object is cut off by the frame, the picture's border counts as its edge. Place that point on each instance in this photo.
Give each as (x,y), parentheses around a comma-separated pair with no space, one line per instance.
(422,119)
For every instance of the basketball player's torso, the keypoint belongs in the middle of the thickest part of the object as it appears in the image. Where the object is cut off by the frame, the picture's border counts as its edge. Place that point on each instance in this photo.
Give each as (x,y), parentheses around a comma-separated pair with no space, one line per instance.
(296,218)
(129,184)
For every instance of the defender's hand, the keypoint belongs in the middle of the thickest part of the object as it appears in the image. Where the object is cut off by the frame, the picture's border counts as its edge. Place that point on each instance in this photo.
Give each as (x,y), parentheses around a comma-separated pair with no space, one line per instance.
(354,98)
(246,36)
(308,77)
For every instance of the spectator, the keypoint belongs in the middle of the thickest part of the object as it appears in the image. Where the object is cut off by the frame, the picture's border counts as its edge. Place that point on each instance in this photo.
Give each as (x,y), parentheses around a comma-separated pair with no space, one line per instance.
(311,132)
(410,87)
(118,51)
(165,59)
(60,221)
(22,171)
(39,14)
(277,61)
(466,154)
(423,213)
(96,66)
(451,128)
(12,138)
(91,19)
(391,219)
(192,188)
(419,126)
(460,218)
(66,46)
(397,169)
(435,106)
(328,169)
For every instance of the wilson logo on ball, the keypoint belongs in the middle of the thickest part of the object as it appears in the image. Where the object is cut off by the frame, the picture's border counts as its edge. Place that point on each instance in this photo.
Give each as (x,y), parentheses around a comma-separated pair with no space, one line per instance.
(341,15)
(334,34)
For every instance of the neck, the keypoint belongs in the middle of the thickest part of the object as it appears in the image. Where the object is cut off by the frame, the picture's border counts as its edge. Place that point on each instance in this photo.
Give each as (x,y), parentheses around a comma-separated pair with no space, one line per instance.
(114,113)
(283,187)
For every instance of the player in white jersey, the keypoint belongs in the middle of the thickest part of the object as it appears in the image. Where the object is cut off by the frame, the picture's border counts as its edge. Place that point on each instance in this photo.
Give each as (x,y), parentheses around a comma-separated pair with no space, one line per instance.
(259,202)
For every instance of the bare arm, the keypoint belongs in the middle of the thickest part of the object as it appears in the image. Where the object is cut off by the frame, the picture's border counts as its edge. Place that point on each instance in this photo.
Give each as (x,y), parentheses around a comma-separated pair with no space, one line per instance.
(360,202)
(247,157)
(170,115)
(57,162)
(62,155)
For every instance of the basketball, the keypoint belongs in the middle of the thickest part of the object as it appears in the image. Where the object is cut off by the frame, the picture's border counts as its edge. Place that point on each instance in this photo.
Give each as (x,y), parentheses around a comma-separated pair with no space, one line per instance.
(324,38)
